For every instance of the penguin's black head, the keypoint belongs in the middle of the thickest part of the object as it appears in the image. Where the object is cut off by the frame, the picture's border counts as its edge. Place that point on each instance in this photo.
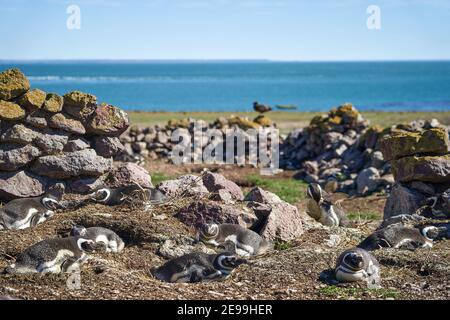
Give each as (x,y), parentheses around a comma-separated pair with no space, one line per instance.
(87,245)
(78,230)
(354,260)
(430,232)
(228,261)
(314,191)
(101,195)
(209,231)
(51,203)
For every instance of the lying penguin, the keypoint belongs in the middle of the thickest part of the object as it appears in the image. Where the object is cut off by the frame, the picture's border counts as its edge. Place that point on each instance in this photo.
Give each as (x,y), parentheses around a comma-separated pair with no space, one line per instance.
(323,209)
(53,256)
(116,196)
(400,237)
(102,236)
(247,242)
(357,265)
(197,267)
(24,213)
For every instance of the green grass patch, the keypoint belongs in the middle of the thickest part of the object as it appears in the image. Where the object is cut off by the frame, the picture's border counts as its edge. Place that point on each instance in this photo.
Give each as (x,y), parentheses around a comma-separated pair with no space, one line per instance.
(289,190)
(282,245)
(347,293)
(370,215)
(159,177)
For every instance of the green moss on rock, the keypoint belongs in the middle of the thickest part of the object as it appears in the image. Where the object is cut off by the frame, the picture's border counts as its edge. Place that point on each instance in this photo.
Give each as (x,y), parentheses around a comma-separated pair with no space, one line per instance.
(33,99)
(11,111)
(435,169)
(13,84)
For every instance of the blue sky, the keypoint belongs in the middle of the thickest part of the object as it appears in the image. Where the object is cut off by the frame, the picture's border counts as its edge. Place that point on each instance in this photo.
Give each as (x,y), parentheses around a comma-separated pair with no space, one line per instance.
(225,29)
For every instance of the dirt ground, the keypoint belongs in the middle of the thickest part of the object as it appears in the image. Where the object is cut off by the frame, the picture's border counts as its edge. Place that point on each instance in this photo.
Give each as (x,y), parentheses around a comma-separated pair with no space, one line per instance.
(293,273)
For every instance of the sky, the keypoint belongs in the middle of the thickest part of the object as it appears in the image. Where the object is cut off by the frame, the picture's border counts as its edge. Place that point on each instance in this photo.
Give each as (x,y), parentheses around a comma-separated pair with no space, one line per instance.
(286,30)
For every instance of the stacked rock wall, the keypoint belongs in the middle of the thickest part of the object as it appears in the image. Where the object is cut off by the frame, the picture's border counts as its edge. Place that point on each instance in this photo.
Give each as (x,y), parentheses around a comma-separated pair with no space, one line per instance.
(420,158)
(46,138)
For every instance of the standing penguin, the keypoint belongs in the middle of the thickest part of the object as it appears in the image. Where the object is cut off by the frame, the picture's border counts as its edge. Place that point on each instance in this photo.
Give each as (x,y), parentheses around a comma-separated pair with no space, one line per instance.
(102,236)
(247,242)
(53,256)
(357,265)
(323,209)
(24,213)
(400,237)
(198,266)
(116,196)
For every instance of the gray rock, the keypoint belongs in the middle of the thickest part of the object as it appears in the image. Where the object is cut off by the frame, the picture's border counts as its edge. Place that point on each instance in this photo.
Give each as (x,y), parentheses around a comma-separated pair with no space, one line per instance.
(86,184)
(402,200)
(20,184)
(76,145)
(78,163)
(215,182)
(64,122)
(187,184)
(108,146)
(13,157)
(367,181)
(377,160)
(425,188)
(129,173)
(37,119)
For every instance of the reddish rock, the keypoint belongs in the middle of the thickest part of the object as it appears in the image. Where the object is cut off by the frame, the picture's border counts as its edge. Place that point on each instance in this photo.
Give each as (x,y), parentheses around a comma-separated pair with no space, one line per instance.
(13,157)
(215,182)
(129,173)
(20,184)
(108,120)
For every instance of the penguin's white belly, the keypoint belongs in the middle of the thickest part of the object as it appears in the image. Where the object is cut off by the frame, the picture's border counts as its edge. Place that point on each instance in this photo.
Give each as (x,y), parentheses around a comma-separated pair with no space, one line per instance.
(185,276)
(330,218)
(345,275)
(25,222)
(241,248)
(54,266)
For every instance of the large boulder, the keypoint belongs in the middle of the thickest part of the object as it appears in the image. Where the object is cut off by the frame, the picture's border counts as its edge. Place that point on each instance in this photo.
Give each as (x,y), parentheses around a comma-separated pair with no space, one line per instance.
(13,157)
(402,200)
(108,120)
(220,187)
(48,142)
(404,143)
(108,146)
(79,105)
(129,173)
(20,184)
(283,222)
(66,123)
(189,185)
(86,184)
(53,103)
(33,99)
(434,169)
(10,111)
(85,162)
(198,213)
(13,84)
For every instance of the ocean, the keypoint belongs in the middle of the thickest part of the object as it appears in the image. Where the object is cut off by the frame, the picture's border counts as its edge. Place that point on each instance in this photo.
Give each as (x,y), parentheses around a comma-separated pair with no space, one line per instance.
(234,86)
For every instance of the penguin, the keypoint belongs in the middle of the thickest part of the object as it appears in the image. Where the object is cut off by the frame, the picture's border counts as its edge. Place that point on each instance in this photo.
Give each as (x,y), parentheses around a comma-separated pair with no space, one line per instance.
(400,236)
(323,209)
(357,265)
(261,108)
(197,267)
(56,255)
(247,242)
(116,196)
(24,213)
(102,236)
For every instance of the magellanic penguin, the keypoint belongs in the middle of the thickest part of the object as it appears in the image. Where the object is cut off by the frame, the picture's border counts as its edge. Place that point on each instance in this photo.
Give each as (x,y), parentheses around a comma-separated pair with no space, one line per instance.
(197,267)
(24,213)
(248,242)
(53,256)
(323,209)
(400,237)
(357,265)
(116,196)
(102,236)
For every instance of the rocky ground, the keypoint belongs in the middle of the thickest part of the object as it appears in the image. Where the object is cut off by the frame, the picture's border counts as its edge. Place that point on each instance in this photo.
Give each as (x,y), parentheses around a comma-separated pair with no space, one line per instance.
(293,271)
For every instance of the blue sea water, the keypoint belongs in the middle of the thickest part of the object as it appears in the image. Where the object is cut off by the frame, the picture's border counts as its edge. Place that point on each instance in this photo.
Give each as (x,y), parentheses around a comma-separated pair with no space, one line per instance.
(234,86)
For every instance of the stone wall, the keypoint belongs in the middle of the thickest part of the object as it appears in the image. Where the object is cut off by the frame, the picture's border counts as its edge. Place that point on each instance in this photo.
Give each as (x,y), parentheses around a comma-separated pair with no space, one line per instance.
(46,139)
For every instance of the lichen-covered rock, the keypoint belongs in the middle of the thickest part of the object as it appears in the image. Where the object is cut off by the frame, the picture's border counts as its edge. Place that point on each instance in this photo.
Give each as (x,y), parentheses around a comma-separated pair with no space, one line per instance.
(73,164)
(13,84)
(402,200)
(189,184)
(79,105)
(53,103)
(33,99)
(11,111)
(108,146)
(47,142)
(243,123)
(21,184)
(129,173)
(404,143)
(13,157)
(63,122)
(37,119)
(215,182)
(200,212)
(108,120)
(263,121)
(434,169)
